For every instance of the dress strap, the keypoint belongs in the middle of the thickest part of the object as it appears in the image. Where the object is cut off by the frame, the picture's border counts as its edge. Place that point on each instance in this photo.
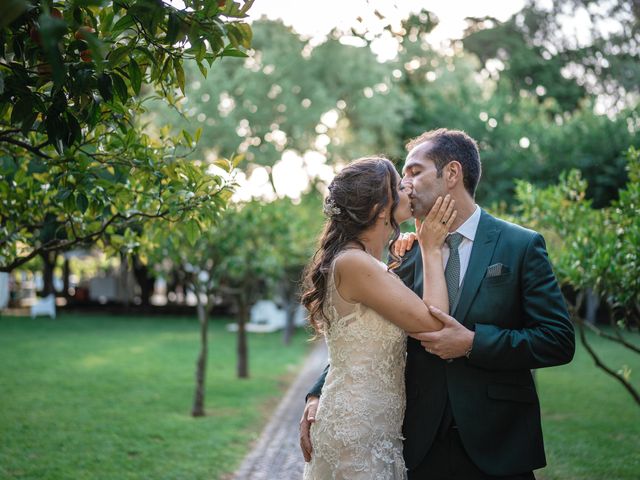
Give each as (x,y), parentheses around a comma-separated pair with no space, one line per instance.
(342,307)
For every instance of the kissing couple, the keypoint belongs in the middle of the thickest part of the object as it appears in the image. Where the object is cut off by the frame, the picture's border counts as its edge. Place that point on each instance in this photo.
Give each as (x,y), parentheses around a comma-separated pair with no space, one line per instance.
(430,355)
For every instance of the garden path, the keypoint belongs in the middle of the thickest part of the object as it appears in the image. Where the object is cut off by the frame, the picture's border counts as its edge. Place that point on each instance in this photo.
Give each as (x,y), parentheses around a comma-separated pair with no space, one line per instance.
(276,454)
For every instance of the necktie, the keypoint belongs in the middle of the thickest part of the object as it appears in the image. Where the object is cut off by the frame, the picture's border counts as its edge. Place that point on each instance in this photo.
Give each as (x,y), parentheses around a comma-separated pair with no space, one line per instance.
(452,270)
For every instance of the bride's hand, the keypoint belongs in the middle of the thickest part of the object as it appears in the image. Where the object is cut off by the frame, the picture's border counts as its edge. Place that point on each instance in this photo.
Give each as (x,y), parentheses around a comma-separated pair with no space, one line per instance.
(433,230)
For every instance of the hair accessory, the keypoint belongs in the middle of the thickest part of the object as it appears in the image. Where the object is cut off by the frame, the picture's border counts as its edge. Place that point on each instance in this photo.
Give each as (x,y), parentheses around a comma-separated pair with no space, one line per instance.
(330,208)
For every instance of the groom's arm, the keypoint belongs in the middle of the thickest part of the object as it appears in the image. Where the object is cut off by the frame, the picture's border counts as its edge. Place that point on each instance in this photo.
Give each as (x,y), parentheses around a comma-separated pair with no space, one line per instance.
(406,269)
(309,416)
(316,390)
(546,338)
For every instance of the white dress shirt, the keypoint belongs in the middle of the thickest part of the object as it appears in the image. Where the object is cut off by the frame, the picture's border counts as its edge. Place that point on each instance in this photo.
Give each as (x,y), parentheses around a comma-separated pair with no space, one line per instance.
(468,231)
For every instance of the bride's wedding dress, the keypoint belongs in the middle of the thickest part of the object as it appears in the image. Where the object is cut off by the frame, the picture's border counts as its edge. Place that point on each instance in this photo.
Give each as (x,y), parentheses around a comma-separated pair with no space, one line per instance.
(358,429)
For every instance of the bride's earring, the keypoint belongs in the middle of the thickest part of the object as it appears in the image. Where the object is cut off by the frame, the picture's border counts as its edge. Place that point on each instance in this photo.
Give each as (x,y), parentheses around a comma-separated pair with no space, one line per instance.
(386,222)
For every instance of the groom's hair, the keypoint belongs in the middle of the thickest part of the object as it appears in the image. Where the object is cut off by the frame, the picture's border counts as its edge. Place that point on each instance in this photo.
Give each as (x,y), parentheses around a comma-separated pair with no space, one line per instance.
(449,145)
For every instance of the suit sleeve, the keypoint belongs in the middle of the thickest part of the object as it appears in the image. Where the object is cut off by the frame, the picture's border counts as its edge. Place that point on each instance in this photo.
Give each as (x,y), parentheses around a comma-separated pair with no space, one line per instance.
(546,338)
(406,269)
(316,390)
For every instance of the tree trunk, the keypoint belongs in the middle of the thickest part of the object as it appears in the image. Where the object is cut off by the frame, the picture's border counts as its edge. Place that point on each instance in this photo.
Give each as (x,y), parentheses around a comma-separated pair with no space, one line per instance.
(592,304)
(124,280)
(201,364)
(49,260)
(146,281)
(243,360)
(289,327)
(66,271)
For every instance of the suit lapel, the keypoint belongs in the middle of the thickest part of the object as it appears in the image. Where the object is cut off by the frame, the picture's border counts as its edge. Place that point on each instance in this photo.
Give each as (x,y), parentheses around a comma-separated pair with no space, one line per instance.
(481,253)
(418,274)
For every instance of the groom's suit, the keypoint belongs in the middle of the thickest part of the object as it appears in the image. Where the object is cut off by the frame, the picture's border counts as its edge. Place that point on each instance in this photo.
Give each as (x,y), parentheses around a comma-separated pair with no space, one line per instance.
(511,299)
(521,323)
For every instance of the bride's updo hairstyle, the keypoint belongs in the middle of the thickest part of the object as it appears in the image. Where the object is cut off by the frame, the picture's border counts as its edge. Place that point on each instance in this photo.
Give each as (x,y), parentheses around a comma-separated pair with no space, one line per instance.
(357,195)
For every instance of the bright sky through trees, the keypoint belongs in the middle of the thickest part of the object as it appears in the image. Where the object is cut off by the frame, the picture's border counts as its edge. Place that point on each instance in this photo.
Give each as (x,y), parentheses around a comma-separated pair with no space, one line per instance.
(316,19)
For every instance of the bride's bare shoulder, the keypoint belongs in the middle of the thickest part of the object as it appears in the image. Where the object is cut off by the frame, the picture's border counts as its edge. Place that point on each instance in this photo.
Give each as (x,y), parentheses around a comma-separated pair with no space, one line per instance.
(354,262)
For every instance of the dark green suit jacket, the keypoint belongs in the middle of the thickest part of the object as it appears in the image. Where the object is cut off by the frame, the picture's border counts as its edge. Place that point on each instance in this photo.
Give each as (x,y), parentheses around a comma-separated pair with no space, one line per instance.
(521,323)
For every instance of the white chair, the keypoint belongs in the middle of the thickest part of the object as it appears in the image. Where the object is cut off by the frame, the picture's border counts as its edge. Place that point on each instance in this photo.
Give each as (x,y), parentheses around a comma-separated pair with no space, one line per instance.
(300,319)
(266,317)
(44,306)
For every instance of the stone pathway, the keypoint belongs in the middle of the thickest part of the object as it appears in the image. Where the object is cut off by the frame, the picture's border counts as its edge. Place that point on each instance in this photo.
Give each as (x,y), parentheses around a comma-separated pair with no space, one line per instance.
(277,455)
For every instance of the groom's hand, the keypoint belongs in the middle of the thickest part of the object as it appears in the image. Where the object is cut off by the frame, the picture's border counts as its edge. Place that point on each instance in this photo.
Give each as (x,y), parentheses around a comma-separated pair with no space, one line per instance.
(453,341)
(308,417)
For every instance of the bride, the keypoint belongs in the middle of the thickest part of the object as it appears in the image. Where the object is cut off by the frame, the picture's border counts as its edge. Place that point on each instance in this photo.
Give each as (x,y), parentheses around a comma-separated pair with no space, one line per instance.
(364,310)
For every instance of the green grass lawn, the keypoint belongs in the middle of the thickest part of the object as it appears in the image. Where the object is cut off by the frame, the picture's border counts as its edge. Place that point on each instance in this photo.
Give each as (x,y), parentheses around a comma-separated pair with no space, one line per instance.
(97,397)
(591,424)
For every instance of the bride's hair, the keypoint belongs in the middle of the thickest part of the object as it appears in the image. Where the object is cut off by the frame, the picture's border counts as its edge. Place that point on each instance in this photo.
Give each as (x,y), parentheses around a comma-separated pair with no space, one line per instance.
(357,195)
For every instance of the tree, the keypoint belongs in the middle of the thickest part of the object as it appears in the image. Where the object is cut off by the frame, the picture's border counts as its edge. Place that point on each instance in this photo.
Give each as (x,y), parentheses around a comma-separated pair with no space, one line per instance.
(76,166)
(251,251)
(297,237)
(521,134)
(535,53)
(291,97)
(593,250)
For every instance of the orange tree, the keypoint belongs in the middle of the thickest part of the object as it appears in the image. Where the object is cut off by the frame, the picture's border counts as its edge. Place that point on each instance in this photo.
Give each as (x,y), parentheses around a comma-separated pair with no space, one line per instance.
(594,250)
(253,250)
(75,165)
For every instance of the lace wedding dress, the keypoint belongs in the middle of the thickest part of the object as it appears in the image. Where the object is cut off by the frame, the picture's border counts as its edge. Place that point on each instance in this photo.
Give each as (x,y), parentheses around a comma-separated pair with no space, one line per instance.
(357,434)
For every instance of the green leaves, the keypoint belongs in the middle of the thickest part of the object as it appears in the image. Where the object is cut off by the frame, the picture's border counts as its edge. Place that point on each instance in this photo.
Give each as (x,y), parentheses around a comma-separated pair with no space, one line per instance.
(12,9)
(51,32)
(191,231)
(123,23)
(118,56)
(82,202)
(105,86)
(179,71)
(239,34)
(69,105)
(590,248)
(135,76)
(173,28)
(120,87)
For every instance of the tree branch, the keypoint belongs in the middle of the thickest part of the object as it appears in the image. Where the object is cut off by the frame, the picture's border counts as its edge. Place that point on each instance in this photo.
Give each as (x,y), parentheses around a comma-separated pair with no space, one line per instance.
(583,338)
(26,146)
(617,338)
(574,311)
(64,245)
(9,132)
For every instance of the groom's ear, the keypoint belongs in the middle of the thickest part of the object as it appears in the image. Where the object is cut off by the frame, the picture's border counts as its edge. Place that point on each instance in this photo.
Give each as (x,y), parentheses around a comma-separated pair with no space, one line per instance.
(453,174)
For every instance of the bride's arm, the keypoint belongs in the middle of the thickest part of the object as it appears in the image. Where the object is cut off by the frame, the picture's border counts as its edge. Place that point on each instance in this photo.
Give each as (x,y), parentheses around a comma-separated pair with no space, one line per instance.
(361,279)
(431,234)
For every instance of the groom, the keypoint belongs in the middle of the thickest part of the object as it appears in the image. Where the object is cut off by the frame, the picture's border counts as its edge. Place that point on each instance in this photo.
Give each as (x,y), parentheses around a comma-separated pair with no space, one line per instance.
(472,409)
